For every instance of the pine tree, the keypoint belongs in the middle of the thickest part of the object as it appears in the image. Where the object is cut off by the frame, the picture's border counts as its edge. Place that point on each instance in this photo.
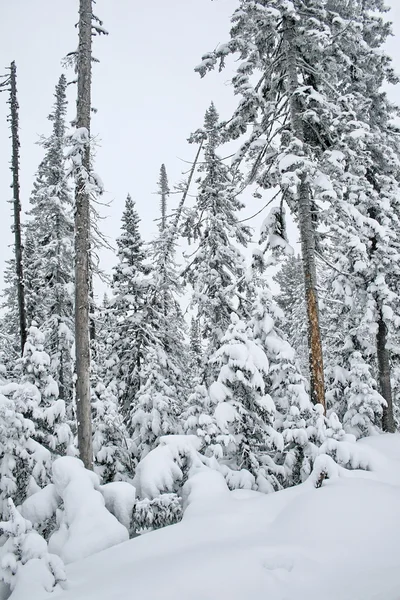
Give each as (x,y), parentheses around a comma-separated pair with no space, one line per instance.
(278,111)
(127,308)
(217,268)
(41,396)
(244,411)
(291,301)
(164,371)
(49,250)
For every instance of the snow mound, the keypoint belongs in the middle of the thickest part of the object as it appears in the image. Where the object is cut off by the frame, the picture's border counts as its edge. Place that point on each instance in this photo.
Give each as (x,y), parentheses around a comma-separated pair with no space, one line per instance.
(86,526)
(335,542)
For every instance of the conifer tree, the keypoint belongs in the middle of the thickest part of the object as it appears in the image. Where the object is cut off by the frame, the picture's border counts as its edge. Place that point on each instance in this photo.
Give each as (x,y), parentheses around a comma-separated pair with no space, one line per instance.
(369,214)
(18,262)
(9,320)
(49,249)
(244,411)
(291,301)
(87,186)
(278,113)
(127,308)
(216,268)
(43,404)
(164,372)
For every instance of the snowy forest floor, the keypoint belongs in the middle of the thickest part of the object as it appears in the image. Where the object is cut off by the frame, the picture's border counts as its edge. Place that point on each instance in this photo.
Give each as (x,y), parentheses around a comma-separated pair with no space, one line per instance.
(338,542)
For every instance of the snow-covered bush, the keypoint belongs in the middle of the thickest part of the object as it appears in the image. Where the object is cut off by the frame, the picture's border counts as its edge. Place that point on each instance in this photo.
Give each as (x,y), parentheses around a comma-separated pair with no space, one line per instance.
(26,565)
(85,526)
(159,480)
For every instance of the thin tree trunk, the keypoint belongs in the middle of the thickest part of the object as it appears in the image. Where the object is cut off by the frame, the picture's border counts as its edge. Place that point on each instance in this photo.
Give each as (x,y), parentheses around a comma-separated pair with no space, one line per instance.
(306,229)
(17,205)
(382,352)
(82,227)
(384,375)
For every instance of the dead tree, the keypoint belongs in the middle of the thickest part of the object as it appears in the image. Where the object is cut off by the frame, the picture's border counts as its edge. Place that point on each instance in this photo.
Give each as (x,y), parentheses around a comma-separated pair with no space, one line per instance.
(82,239)
(14,121)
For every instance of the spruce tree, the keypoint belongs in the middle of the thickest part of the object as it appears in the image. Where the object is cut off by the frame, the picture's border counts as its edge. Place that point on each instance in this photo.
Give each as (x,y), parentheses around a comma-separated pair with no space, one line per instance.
(41,395)
(127,308)
(291,300)
(216,269)
(244,410)
(278,109)
(164,371)
(49,249)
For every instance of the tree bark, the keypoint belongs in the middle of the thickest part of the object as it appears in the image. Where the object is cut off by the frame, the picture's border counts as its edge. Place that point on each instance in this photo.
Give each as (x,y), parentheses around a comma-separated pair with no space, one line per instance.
(307,236)
(82,245)
(17,205)
(384,375)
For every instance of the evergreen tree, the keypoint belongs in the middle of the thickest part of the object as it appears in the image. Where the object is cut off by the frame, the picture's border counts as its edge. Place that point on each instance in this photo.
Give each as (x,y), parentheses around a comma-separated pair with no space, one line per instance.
(369,206)
(40,394)
(280,110)
(164,371)
(244,411)
(216,270)
(291,301)
(9,320)
(127,308)
(49,250)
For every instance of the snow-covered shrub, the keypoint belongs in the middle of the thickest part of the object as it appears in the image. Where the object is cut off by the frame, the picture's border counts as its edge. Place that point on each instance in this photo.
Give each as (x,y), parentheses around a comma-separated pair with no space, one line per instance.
(157,512)
(120,497)
(26,565)
(85,526)
(40,509)
(159,479)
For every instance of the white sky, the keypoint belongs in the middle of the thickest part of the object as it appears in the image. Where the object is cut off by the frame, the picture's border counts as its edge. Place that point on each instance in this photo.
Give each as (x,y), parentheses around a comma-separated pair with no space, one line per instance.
(148,97)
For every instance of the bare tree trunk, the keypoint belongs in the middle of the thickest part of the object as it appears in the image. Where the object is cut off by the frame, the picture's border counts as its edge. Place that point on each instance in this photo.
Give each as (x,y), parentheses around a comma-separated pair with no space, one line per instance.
(82,246)
(306,228)
(384,375)
(382,352)
(17,204)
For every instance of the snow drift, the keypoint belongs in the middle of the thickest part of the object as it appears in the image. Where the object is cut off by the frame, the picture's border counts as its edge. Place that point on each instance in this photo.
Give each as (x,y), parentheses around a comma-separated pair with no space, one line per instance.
(338,542)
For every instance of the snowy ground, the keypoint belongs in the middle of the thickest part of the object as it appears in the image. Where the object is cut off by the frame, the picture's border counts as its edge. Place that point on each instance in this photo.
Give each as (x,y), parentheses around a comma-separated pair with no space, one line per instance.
(339,542)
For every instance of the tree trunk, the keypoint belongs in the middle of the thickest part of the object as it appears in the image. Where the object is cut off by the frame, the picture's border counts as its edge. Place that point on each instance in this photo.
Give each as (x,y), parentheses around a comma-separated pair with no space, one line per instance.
(82,228)
(306,228)
(384,375)
(17,205)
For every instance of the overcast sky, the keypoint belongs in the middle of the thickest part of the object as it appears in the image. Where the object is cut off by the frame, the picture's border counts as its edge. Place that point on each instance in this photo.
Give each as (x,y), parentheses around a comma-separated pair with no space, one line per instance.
(148,97)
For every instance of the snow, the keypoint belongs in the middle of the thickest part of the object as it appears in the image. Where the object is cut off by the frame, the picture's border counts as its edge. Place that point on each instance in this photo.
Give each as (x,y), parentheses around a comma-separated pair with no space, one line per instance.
(162,467)
(86,526)
(119,497)
(42,505)
(338,542)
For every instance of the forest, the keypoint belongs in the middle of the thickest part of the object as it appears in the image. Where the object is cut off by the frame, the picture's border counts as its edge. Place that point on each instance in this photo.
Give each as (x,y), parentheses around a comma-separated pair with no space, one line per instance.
(231,389)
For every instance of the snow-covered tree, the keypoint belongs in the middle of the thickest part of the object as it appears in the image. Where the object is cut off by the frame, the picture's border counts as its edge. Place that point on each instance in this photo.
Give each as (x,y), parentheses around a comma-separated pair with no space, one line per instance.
(164,371)
(216,268)
(26,564)
(279,111)
(40,394)
(244,410)
(291,301)
(10,339)
(126,308)
(49,263)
